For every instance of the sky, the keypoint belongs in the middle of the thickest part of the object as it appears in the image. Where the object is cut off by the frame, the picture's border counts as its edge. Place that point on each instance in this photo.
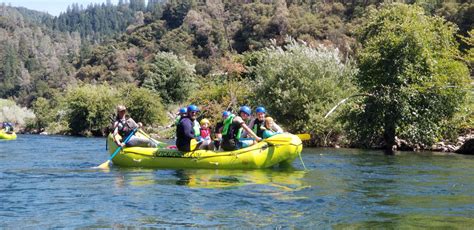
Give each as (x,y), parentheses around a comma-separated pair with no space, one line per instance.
(53,7)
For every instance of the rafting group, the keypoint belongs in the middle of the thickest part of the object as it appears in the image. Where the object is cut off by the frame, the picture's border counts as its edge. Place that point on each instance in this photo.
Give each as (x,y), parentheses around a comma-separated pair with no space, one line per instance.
(232,133)
(239,142)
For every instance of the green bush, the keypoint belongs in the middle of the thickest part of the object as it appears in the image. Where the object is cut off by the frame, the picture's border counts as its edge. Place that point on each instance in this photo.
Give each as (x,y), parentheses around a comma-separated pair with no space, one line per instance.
(299,84)
(11,112)
(219,94)
(143,105)
(89,108)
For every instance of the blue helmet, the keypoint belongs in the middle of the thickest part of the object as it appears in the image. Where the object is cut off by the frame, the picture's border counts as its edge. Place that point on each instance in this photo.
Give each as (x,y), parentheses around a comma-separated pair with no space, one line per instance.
(183,110)
(245,109)
(225,113)
(193,108)
(260,110)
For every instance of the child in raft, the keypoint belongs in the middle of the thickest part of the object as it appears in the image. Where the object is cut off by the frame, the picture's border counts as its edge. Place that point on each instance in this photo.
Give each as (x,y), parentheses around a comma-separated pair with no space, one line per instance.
(205,132)
(271,128)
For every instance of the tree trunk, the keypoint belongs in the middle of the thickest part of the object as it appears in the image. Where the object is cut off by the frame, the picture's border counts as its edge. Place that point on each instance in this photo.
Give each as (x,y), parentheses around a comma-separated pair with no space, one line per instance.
(389,137)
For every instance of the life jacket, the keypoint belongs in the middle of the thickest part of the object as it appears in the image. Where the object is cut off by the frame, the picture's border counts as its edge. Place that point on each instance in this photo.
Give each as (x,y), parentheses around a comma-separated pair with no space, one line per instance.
(257,127)
(205,132)
(197,128)
(178,119)
(231,131)
(123,128)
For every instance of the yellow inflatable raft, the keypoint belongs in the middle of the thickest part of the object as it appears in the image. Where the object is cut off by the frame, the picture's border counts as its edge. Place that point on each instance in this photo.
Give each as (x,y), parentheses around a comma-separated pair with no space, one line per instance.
(7,136)
(280,149)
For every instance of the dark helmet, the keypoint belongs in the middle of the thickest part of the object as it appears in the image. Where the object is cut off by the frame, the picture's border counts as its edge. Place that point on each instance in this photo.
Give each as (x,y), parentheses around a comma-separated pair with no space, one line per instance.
(245,109)
(183,110)
(193,108)
(260,110)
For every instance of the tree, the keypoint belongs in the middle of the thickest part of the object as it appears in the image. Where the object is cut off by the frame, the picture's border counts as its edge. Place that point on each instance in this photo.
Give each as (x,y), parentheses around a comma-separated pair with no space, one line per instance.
(170,76)
(408,64)
(41,108)
(9,72)
(175,11)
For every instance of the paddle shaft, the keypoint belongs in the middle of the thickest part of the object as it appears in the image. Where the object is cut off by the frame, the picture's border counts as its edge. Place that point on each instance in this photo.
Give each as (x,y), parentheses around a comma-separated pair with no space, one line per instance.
(125,142)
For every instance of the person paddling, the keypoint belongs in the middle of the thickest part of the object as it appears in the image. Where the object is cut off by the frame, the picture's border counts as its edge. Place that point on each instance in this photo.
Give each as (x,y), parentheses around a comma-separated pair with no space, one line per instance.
(185,130)
(123,126)
(232,131)
(8,127)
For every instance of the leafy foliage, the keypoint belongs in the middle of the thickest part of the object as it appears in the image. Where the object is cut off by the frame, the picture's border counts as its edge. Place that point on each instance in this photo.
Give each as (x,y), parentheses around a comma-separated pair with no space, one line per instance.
(121,44)
(11,112)
(89,107)
(143,105)
(170,76)
(298,84)
(222,93)
(408,65)
(42,110)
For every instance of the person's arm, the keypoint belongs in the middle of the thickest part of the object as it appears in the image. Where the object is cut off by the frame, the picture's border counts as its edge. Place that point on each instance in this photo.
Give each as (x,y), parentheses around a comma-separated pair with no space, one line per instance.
(250,126)
(115,135)
(276,128)
(188,128)
(250,132)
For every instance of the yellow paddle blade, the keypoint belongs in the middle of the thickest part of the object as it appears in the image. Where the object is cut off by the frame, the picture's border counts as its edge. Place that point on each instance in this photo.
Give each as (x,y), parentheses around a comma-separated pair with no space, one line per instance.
(304,136)
(193,144)
(104,165)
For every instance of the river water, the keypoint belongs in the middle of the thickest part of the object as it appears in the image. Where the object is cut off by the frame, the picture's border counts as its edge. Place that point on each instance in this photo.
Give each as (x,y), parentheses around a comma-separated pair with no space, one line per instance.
(48,182)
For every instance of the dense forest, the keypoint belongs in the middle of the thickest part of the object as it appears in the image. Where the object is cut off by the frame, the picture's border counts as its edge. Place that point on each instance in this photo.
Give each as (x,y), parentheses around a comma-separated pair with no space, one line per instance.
(405,67)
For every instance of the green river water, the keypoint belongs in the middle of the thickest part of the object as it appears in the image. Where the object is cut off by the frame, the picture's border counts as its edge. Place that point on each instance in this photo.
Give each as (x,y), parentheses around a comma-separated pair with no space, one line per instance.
(48,182)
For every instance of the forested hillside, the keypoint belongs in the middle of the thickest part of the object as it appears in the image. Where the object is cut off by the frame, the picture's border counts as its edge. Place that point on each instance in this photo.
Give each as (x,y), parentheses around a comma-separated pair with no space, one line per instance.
(175,49)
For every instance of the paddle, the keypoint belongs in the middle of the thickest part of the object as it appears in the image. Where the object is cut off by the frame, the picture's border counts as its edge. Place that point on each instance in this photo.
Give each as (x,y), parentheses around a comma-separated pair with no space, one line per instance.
(304,136)
(105,165)
(157,143)
(271,140)
(194,144)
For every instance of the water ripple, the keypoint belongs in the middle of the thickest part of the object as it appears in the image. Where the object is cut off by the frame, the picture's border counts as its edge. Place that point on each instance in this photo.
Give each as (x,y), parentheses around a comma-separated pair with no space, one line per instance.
(49,182)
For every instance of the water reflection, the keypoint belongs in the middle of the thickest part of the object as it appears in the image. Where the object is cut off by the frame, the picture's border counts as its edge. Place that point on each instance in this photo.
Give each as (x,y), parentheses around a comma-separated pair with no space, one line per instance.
(281,179)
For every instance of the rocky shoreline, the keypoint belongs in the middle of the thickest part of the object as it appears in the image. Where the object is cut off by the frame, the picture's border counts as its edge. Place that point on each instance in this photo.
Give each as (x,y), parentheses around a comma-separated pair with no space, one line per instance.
(463,145)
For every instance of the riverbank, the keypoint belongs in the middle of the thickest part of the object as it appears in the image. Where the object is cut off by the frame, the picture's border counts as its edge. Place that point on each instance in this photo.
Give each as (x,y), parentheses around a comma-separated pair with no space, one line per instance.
(464,144)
